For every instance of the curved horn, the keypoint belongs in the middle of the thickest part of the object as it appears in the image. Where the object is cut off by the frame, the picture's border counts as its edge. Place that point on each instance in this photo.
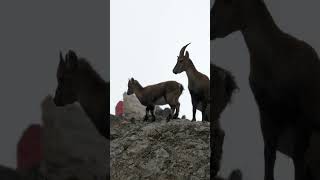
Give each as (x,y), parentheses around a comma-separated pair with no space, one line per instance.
(183,49)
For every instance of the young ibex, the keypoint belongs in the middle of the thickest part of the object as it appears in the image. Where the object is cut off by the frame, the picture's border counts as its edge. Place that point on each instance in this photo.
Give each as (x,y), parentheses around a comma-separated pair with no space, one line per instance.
(159,94)
(198,84)
(222,88)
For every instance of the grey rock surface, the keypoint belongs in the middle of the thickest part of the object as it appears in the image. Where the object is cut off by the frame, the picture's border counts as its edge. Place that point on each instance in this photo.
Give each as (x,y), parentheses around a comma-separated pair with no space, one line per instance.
(313,156)
(72,145)
(159,150)
(9,174)
(132,107)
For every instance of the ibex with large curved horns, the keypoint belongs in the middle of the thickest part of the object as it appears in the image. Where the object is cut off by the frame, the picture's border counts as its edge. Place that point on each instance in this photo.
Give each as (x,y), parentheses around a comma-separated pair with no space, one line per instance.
(198,84)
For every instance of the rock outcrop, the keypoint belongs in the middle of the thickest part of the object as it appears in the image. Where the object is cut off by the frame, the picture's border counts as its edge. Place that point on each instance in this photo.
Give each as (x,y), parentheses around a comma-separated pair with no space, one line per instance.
(30,148)
(313,157)
(9,174)
(159,150)
(72,146)
(132,107)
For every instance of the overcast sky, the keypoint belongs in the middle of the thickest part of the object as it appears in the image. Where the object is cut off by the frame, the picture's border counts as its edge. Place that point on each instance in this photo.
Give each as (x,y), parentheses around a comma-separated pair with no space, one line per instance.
(32,33)
(146,37)
(243,147)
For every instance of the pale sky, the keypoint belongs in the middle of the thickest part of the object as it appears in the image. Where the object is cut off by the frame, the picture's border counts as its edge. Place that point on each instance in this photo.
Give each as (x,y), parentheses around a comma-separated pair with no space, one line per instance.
(146,38)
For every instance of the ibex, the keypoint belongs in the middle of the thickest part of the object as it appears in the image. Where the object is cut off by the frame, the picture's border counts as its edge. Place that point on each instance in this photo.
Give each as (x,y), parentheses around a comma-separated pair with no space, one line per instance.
(284,78)
(159,94)
(78,81)
(198,84)
(222,88)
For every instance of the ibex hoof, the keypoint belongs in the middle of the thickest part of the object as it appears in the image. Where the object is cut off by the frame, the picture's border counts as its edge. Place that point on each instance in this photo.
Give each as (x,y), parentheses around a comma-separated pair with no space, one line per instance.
(193,120)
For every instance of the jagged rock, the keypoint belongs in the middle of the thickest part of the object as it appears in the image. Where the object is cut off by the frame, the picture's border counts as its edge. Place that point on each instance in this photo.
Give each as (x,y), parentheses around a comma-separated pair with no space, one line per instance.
(132,107)
(313,157)
(9,174)
(178,149)
(73,148)
(12,174)
(30,148)
(163,113)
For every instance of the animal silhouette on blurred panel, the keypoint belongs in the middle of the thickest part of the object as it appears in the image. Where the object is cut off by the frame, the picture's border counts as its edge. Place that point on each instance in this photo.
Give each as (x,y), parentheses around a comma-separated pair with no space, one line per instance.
(78,81)
(284,78)
(222,88)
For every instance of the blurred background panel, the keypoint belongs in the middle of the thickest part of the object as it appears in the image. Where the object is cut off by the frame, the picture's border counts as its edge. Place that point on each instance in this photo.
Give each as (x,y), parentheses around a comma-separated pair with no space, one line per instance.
(243,146)
(32,34)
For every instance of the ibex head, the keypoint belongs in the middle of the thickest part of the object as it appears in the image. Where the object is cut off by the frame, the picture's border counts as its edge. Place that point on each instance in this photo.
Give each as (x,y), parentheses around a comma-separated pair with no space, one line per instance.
(133,86)
(226,17)
(67,79)
(183,62)
(130,86)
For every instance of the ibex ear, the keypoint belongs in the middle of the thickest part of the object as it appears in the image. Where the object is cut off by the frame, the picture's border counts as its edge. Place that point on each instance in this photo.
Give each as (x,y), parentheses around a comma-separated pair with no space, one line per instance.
(71,60)
(61,62)
(187,54)
(60,55)
(132,79)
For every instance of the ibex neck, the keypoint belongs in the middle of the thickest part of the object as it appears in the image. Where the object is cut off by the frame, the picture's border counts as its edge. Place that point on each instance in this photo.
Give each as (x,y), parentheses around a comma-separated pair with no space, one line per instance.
(191,73)
(138,92)
(259,28)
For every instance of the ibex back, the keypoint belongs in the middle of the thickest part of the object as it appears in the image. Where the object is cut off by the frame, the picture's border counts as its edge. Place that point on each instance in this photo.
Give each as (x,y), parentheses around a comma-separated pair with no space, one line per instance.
(159,94)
